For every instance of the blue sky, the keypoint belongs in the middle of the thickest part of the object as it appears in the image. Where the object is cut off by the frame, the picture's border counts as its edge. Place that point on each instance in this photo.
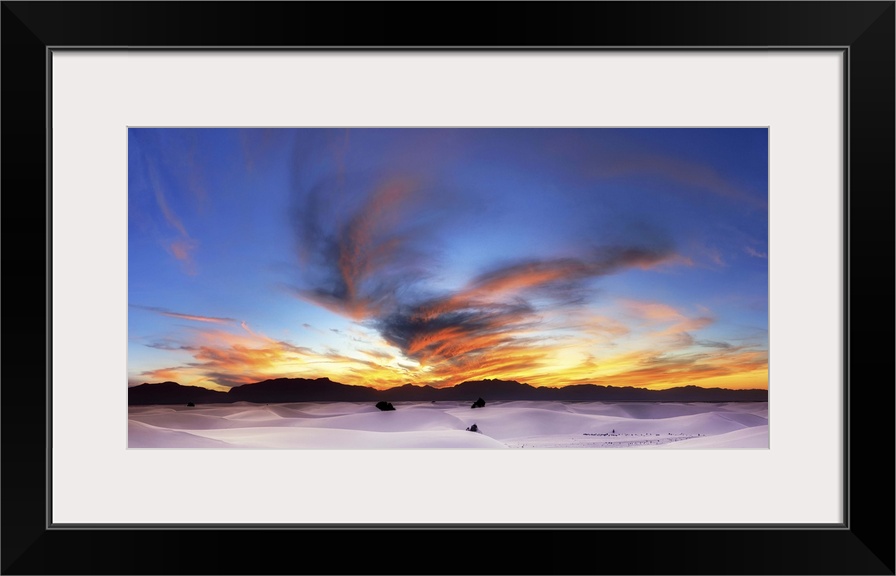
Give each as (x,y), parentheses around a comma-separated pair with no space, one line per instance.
(379,257)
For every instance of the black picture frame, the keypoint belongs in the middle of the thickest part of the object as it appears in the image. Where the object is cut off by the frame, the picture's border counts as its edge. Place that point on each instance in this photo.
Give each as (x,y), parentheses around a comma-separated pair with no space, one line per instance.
(864,544)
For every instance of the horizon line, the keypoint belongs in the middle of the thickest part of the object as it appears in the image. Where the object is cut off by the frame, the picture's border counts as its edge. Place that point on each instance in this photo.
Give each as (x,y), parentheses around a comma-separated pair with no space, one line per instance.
(446,387)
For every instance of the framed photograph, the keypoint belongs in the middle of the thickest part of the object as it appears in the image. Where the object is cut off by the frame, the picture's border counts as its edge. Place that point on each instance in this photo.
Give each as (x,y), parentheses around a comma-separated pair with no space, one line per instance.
(349,260)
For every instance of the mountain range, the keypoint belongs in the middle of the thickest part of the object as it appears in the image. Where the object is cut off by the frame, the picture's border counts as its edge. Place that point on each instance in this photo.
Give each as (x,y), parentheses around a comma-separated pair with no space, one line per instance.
(326,390)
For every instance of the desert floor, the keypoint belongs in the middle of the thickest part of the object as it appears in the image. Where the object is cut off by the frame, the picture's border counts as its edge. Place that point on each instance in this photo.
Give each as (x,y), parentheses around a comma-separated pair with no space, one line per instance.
(424,425)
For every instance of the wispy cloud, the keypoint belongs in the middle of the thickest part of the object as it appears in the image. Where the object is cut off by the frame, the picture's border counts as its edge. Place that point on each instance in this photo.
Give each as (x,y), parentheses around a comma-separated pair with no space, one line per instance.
(688,174)
(222,358)
(666,319)
(193,317)
(356,263)
(379,355)
(171,374)
(167,345)
(649,368)
(183,246)
(755,253)
(714,344)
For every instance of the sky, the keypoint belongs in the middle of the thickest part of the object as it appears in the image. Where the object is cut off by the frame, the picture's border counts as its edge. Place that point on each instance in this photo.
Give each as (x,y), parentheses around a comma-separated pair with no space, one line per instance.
(386,256)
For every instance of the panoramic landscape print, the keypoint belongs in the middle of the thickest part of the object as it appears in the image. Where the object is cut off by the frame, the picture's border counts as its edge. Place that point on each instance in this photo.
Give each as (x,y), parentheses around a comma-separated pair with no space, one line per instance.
(423,288)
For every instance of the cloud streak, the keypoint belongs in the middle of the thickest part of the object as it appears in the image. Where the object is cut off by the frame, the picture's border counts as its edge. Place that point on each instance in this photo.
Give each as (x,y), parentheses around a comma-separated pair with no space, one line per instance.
(220,358)
(192,317)
(682,369)
(688,174)
(183,246)
(755,253)
(356,262)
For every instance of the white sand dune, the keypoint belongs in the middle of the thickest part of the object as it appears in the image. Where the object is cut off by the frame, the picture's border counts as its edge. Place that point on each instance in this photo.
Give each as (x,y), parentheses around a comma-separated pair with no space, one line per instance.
(426,425)
(754,437)
(145,436)
(335,438)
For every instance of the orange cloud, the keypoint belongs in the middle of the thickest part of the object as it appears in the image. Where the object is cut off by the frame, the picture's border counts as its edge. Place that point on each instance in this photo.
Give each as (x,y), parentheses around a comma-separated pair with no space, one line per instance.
(183,247)
(366,255)
(652,369)
(655,313)
(163,374)
(507,361)
(652,311)
(378,355)
(222,359)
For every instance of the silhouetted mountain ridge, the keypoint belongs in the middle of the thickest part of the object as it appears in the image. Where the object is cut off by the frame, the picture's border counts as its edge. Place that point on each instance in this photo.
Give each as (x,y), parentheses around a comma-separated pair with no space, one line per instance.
(174,393)
(326,390)
(302,390)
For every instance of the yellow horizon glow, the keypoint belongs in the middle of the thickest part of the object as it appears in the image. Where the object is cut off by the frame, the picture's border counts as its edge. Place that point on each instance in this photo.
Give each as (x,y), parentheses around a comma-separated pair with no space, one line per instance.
(659,359)
(755,379)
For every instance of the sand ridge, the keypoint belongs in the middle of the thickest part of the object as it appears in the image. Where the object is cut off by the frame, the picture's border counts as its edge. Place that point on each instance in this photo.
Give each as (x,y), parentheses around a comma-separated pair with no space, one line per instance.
(424,425)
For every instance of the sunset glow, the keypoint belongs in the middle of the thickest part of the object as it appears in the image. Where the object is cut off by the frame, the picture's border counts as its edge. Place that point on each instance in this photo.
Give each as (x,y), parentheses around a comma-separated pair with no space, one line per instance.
(382,257)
